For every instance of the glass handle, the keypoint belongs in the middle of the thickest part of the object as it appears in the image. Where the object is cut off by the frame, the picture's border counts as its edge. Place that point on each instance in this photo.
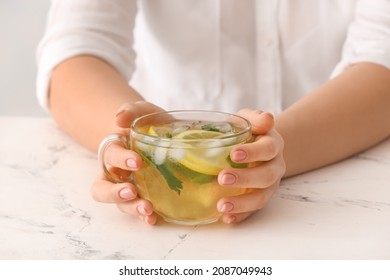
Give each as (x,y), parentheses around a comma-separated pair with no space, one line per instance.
(113,174)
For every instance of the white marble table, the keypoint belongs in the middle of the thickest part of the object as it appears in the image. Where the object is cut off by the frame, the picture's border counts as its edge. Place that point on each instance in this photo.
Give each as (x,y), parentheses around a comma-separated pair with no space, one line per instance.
(46,211)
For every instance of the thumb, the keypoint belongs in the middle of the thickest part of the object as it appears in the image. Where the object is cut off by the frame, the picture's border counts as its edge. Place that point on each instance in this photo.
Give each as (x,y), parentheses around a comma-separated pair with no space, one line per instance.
(130,111)
(262,122)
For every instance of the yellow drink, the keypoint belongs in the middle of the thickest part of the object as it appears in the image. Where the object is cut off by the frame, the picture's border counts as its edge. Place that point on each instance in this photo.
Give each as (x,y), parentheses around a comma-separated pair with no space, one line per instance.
(183,154)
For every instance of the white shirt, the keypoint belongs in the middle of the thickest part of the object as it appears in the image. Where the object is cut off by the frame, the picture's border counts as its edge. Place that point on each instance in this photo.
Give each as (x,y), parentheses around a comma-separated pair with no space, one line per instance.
(218,54)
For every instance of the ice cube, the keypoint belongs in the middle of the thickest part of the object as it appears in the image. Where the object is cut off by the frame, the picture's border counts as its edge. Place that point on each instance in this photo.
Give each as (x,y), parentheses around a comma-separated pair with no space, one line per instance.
(217,152)
(223,127)
(179,129)
(143,147)
(159,155)
(176,154)
(181,126)
(214,148)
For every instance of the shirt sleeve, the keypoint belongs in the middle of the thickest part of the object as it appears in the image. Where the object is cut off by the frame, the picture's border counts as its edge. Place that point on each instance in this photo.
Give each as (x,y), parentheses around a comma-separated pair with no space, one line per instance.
(368,37)
(103,28)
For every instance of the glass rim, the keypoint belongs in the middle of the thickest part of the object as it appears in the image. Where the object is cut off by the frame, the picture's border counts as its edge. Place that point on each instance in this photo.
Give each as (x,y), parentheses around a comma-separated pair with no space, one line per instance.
(245,130)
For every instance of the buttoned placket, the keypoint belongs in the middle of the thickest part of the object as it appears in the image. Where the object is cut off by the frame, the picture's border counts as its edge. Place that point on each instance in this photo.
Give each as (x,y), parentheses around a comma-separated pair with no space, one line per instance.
(237,51)
(268,56)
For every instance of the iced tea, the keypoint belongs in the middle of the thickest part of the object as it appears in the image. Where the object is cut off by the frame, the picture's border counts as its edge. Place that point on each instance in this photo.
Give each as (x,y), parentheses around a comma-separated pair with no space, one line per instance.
(183,152)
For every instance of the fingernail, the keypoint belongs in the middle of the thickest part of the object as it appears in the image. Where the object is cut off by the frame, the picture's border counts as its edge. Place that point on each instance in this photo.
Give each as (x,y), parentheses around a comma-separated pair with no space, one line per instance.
(228,179)
(120,113)
(267,114)
(149,220)
(142,210)
(226,207)
(239,155)
(231,220)
(126,193)
(131,163)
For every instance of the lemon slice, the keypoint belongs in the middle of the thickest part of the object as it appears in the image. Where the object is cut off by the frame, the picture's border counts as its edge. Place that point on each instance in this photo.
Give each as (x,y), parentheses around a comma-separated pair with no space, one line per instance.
(160,131)
(152,131)
(200,159)
(198,134)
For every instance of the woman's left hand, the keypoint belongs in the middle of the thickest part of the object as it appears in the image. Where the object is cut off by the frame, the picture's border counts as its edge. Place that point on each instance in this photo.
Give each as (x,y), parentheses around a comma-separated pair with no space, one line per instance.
(266,154)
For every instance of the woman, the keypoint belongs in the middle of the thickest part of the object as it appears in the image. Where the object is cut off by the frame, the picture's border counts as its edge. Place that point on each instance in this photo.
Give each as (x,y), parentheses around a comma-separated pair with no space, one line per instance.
(321,67)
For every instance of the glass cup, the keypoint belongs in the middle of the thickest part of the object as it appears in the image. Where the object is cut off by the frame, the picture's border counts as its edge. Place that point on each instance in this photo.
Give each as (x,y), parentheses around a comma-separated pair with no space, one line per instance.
(183,152)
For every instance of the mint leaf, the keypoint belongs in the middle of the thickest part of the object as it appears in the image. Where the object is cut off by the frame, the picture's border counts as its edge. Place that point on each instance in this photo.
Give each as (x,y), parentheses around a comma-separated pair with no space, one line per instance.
(193,176)
(173,183)
(210,127)
(235,164)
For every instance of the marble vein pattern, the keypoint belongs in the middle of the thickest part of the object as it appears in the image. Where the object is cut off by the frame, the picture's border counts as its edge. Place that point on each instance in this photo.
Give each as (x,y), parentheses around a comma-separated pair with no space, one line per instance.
(341,211)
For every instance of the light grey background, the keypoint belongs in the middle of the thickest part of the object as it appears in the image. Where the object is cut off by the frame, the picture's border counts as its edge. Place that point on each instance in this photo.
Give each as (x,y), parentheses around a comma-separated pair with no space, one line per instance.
(22,24)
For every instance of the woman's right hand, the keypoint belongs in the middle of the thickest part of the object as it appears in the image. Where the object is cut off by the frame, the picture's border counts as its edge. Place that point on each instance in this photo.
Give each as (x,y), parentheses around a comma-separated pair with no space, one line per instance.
(123,161)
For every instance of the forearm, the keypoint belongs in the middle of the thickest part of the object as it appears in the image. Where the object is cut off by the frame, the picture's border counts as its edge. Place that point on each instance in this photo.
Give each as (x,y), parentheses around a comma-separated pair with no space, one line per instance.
(85,93)
(343,117)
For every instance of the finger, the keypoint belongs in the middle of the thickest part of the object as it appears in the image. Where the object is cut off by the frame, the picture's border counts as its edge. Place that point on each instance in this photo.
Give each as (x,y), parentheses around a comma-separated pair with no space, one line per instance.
(130,111)
(235,218)
(150,220)
(141,208)
(136,207)
(248,202)
(261,121)
(105,191)
(261,176)
(118,156)
(264,148)
(125,196)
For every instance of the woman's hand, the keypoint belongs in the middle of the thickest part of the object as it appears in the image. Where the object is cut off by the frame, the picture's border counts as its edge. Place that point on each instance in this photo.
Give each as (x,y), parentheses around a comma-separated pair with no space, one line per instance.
(122,162)
(264,177)
(266,152)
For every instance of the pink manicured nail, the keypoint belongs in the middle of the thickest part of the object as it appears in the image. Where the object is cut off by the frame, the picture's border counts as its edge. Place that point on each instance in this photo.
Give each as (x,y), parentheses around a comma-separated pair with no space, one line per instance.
(141,210)
(267,114)
(231,220)
(131,163)
(239,155)
(120,113)
(228,179)
(126,193)
(226,207)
